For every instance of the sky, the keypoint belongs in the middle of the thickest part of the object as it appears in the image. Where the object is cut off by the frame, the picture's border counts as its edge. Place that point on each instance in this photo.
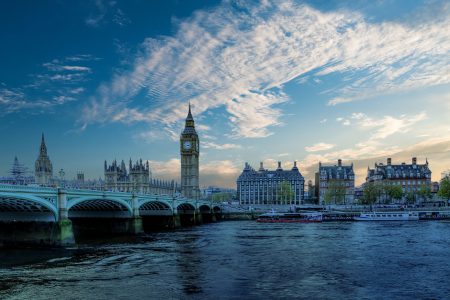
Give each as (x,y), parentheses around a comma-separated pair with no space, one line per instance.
(269,81)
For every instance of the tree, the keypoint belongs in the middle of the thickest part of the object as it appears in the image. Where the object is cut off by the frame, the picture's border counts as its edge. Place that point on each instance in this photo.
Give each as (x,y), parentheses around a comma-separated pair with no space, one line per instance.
(222,197)
(410,198)
(370,193)
(395,192)
(335,192)
(444,188)
(285,193)
(424,192)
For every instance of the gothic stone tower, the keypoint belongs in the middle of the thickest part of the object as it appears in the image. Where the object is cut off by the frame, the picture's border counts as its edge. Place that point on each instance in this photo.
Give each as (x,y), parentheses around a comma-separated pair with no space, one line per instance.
(43,171)
(190,151)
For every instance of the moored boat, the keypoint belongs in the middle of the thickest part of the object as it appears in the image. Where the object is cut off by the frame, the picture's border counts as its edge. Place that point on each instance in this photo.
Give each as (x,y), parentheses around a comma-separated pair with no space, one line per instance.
(274,217)
(388,216)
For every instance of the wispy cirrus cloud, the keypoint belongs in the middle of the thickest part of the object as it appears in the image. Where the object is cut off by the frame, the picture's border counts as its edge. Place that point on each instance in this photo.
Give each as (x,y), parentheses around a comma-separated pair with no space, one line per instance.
(239,56)
(15,100)
(57,84)
(106,11)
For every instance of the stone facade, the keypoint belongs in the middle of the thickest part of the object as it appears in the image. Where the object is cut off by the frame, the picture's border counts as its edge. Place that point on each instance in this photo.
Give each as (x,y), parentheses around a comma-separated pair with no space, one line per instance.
(136,179)
(336,174)
(411,177)
(43,171)
(190,152)
(265,187)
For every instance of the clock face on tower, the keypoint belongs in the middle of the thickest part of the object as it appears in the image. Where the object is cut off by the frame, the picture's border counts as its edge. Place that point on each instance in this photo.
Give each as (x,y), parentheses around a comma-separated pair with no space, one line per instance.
(187,145)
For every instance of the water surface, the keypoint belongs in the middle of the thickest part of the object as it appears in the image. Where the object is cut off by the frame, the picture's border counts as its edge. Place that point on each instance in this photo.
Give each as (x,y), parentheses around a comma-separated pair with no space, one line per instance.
(245,260)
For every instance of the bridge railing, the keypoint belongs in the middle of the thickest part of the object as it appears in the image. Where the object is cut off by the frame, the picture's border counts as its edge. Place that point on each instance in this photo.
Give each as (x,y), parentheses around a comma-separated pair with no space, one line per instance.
(26,188)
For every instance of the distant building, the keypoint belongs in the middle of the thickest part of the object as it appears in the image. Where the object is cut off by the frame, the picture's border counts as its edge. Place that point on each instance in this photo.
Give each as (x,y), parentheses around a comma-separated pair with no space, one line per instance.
(411,177)
(434,187)
(136,179)
(18,174)
(340,175)
(210,191)
(43,171)
(266,187)
(80,178)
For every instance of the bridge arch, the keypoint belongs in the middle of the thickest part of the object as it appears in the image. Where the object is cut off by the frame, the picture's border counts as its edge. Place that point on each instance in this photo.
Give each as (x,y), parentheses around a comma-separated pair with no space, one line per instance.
(11,205)
(186,208)
(155,207)
(204,208)
(99,207)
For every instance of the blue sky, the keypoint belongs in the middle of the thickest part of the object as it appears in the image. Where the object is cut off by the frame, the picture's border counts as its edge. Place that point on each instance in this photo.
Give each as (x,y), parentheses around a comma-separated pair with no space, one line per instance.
(268,80)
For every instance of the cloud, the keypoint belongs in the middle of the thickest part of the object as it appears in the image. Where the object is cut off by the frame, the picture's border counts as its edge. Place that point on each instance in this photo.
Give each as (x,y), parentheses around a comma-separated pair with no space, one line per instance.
(319,147)
(218,173)
(343,121)
(239,56)
(323,121)
(388,125)
(15,100)
(120,18)
(169,169)
(211,145)
(57,67)
(82,57)
(106,12)
(435,150)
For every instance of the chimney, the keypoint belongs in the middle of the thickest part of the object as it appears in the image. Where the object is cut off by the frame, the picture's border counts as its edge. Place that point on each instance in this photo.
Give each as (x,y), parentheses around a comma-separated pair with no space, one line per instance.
(414,160)
(261,166)
(389,161)
(279,166)
(339,162)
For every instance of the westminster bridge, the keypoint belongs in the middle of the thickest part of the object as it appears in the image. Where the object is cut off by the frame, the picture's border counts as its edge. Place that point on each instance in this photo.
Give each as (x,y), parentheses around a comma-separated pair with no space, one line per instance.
(56,216)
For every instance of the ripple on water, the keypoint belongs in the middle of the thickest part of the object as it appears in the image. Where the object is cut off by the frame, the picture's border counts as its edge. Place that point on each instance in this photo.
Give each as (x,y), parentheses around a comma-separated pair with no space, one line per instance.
(247,260)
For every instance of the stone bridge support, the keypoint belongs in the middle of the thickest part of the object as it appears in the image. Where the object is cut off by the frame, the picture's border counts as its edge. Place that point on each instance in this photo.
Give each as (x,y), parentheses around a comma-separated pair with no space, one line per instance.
(176,223)
(62,234)
(136,226)
(198,218)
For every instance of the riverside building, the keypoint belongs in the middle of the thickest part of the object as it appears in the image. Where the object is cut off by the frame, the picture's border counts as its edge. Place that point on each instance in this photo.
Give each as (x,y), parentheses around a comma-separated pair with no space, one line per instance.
(411,177)
(336,175)
(270,187)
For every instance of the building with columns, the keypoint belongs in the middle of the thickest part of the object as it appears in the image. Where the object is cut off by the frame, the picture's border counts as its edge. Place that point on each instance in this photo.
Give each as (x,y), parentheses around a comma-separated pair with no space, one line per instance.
(263,186)
(336,175)
(190,153)
(43,171)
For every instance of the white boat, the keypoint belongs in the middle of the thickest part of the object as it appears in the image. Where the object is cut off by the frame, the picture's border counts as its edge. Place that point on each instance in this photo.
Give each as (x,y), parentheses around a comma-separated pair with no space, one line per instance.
(388,216)
(274,217)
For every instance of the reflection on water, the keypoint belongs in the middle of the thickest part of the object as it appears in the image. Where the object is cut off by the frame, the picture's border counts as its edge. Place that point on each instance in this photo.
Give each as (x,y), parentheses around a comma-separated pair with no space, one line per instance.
(243,260)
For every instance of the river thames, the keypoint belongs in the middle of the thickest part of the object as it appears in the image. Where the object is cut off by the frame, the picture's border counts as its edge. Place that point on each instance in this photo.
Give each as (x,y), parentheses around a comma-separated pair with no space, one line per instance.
(244,260)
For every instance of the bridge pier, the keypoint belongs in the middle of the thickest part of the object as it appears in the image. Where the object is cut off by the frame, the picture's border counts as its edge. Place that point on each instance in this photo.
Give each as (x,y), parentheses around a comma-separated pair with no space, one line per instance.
(63,235)
(136,226)
(176,221)
(198,218)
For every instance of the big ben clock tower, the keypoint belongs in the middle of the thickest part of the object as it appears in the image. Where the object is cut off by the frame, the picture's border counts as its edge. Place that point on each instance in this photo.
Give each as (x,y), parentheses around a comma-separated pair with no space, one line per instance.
(190,151)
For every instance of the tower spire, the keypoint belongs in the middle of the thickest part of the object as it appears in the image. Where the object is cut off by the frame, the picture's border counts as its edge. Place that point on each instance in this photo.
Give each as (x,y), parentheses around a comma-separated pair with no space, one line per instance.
(189,116)
(43,149)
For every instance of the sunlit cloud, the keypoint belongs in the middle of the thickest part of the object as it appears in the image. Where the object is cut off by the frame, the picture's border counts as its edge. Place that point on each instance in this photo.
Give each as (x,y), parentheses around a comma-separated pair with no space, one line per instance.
(319,147)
